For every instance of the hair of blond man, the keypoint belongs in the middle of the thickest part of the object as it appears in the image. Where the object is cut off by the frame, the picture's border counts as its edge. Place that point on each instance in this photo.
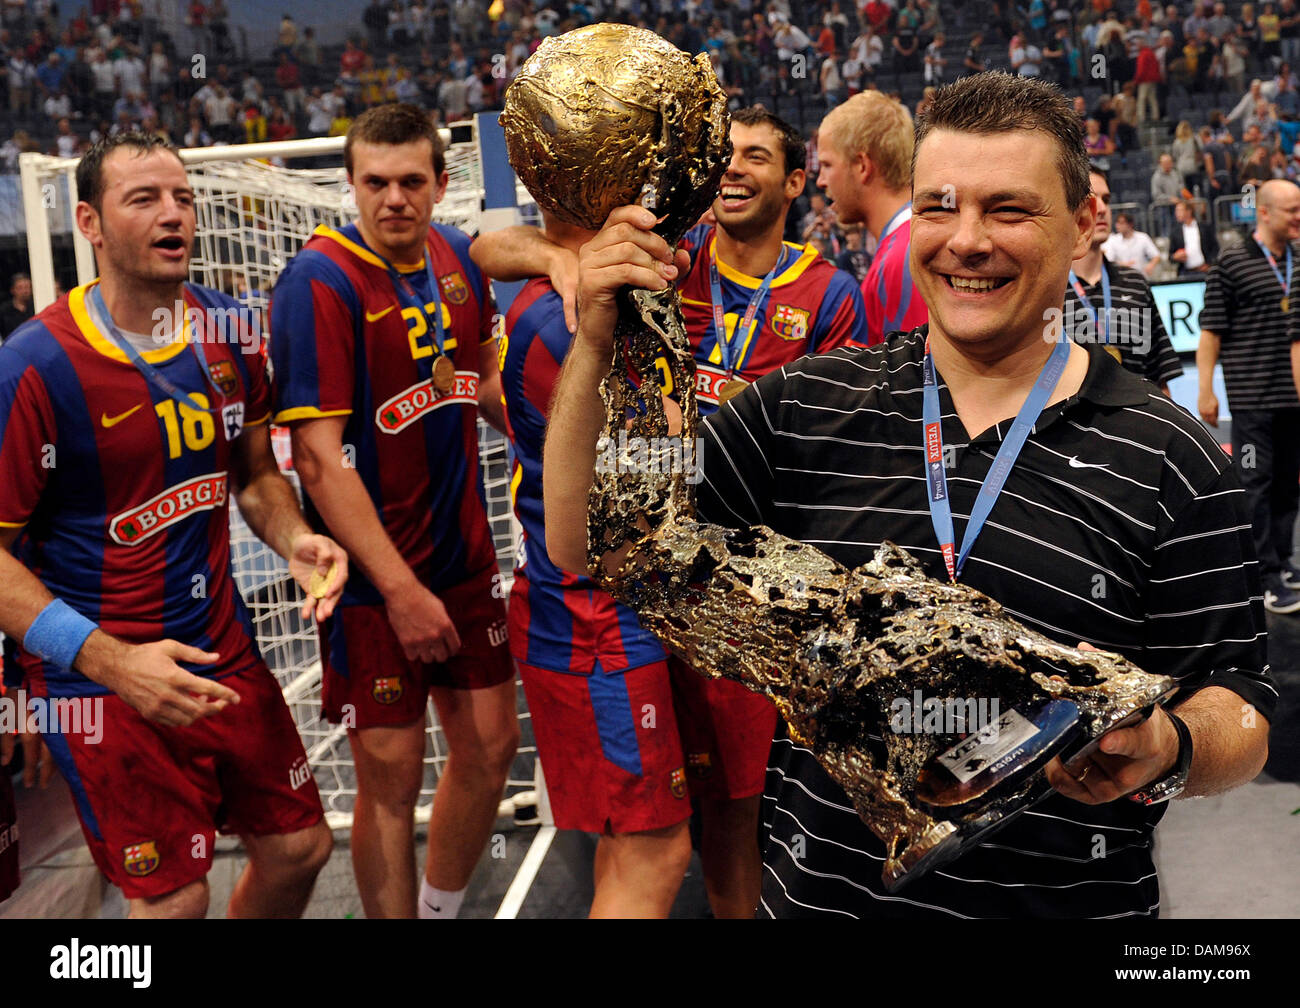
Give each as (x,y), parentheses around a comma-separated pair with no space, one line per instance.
(873,124)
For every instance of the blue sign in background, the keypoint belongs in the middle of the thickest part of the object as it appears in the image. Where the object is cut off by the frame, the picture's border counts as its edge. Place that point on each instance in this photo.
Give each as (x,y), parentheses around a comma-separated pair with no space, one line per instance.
(1179,303)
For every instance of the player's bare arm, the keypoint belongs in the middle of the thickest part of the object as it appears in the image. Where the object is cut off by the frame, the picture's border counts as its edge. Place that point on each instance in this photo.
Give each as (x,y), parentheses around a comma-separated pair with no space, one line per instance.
(1229,748)
(1207,356)
(521,253)
(146,676)
(270,507)
(1295,365)
(417,615)
(489,386)
(625,252)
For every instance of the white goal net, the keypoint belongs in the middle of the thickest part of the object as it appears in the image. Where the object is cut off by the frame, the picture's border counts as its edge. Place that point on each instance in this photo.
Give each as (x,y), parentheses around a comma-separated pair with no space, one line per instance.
(253,216)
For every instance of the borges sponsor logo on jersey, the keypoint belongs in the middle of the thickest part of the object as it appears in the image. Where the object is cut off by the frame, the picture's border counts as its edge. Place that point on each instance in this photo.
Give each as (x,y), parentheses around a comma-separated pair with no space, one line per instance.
(404,409)
(708,383)
(202,493)
(75,961)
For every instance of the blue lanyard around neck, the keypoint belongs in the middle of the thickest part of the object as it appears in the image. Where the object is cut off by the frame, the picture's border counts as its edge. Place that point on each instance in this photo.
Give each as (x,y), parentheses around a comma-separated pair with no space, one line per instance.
(932,444)
(104,321)
(727,349)
(1268,254)
(407,295)
(1102,330)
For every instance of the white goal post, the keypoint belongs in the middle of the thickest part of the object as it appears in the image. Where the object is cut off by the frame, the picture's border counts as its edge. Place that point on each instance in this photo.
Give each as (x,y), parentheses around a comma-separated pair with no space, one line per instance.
(255,209)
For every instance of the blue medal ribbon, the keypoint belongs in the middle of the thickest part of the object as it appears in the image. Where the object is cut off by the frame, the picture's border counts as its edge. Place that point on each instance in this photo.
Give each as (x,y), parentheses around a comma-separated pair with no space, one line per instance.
(1103,332)
(725,346)
(407,295)
(1268,254)
(932,443)
(104,321)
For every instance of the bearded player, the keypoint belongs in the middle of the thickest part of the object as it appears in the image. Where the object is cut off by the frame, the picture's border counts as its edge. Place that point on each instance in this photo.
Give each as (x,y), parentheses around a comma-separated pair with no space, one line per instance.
(776,302)
(129,410)
(382,339)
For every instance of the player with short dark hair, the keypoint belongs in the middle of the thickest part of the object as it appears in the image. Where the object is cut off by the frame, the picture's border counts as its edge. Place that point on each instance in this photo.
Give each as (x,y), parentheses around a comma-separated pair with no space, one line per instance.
(383,340)
(130,410)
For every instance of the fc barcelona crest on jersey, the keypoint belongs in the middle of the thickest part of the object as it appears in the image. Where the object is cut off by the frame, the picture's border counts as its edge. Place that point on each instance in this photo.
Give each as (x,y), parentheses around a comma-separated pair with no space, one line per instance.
(677,782)
(223,377)
(141,858)
(387,689)
(454,288)
(790,323)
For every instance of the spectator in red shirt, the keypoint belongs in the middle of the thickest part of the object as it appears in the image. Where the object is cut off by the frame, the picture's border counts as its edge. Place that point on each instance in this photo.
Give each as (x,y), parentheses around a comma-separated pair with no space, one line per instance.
(352,59)
(878,13)
(1146,75)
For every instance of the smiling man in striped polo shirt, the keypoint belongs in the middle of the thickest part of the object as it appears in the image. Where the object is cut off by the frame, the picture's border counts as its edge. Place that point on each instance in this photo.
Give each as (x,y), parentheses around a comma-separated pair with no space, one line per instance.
(1120,522)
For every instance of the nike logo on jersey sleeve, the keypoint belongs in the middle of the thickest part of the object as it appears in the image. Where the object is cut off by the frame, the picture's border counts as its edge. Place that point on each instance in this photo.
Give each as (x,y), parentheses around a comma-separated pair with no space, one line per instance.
(375,317)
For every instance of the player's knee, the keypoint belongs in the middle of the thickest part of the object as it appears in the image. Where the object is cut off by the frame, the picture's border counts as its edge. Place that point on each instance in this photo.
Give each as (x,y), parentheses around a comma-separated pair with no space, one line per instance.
(309,850)
(189,902)
(500,749)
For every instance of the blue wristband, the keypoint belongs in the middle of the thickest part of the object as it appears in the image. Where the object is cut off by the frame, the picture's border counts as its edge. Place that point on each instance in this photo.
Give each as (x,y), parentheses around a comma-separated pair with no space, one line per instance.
(56,635)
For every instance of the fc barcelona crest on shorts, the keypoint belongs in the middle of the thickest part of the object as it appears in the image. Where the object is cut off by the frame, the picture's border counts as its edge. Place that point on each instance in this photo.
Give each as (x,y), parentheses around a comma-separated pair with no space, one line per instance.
(223,377)
(454,288)
(677,782)
(387,689)
(700,764)
(141,858)
(790,323)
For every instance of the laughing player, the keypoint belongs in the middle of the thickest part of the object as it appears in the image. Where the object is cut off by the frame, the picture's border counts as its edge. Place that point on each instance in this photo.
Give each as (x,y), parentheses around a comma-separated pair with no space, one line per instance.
(123,406)
(777,302)
(384,354)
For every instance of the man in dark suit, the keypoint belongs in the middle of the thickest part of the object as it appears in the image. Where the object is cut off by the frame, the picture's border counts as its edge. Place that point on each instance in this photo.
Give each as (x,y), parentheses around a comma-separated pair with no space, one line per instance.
(1192,245)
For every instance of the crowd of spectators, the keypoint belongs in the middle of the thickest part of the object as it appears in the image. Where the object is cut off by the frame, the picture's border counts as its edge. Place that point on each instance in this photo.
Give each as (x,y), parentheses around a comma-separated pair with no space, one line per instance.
(66,81)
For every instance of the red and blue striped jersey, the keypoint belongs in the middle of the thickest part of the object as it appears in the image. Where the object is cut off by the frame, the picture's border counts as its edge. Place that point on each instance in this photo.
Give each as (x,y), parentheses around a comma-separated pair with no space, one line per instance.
(893,303)
(812,307)
(571,623)
(344,343)
(122,491)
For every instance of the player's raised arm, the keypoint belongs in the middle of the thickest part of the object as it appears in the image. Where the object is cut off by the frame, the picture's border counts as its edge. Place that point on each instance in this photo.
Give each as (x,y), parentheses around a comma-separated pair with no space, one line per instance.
(625,252)
(521,253)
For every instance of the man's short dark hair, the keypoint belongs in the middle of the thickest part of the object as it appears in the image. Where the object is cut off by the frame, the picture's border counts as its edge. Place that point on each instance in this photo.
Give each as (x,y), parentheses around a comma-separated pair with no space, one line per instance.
(90,169)
(792,144)
(1125,215)
(395,123)
(999,103)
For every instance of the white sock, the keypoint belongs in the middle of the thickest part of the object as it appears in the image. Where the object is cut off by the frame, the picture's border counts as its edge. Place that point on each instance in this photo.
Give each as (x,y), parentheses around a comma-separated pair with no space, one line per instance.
(436,904)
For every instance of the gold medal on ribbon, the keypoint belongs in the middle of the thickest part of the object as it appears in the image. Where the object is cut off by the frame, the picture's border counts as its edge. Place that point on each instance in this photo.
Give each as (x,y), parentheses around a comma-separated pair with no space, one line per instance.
(1286,305)
(320,583)
(1114,352)
(444,374)
(730,389)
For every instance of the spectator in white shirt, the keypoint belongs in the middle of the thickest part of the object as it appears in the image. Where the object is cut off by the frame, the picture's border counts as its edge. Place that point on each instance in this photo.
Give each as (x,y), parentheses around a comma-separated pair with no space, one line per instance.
(1130,247)
(129,72)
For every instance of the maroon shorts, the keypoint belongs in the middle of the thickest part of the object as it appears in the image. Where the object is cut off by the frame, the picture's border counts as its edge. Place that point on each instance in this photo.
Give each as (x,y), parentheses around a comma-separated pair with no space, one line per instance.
(368,680)
(726,733)
(623,751)
(8,837)
(151,798)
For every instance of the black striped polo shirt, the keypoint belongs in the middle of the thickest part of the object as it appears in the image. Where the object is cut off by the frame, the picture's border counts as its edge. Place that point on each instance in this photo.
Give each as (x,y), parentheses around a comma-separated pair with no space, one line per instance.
(1121,524)
(1243,307)
(1137,332)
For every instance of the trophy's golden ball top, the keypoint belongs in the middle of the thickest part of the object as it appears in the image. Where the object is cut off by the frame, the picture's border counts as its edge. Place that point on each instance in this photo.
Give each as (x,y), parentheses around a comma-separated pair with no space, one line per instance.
(610,114)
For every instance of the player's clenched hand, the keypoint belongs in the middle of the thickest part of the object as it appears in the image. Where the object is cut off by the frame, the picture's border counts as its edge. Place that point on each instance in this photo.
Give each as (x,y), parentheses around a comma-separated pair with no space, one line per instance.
(149,680)
(320,566)
(422,625)
(625,252)
(1207,404)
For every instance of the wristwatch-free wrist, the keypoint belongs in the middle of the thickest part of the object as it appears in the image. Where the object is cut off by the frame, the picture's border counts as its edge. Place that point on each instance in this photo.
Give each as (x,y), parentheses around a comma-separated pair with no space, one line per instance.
(1171,784)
